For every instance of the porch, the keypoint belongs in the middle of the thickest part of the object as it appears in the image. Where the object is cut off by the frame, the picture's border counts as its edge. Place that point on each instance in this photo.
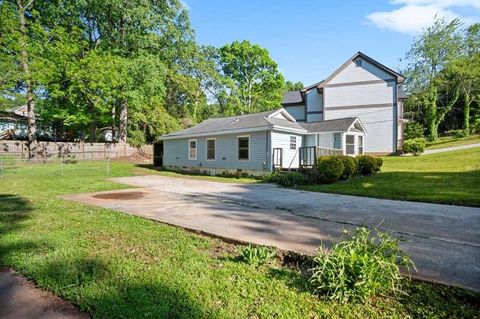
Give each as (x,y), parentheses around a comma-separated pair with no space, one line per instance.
(308,155)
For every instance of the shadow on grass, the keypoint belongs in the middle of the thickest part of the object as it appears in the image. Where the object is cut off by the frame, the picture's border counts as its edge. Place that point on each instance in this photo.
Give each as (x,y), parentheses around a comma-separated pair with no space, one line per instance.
(14,210)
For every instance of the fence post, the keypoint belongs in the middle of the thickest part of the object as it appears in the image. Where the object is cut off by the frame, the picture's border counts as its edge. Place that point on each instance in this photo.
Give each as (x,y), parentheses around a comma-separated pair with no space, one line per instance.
(108,166)
(61,165)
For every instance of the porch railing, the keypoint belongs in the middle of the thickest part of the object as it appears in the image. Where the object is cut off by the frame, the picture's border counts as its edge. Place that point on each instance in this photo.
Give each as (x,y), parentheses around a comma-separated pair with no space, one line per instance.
(308,155)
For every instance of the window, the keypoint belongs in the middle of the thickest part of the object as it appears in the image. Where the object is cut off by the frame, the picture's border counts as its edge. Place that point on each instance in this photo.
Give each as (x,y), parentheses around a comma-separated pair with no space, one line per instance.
(337,141)
(293,142)
(243,145)
(210,149)
(192,149)
(358,63)
(350,144)
(360,144)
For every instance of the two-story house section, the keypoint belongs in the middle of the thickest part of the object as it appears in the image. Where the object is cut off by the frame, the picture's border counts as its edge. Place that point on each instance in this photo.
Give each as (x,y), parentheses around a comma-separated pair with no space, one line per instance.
(362,88)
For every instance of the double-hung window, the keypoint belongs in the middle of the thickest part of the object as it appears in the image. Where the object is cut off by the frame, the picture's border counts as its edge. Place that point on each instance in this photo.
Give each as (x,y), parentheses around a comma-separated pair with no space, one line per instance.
(350,144)
(210,149)
(192,149)
(337,141)
(293,142)
(243,147)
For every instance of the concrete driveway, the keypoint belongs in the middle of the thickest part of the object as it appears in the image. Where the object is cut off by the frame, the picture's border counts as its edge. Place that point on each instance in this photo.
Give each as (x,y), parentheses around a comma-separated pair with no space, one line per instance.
(443,240)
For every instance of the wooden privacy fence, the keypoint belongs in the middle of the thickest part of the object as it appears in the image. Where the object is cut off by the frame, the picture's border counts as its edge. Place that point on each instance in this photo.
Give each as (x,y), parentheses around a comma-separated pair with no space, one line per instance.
(77,150)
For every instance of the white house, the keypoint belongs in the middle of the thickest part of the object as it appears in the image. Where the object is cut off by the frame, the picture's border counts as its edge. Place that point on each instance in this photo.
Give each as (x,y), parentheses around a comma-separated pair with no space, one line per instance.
(356,110)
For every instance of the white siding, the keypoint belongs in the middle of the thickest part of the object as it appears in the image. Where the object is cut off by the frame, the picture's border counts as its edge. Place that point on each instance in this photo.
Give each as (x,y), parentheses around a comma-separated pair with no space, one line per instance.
(298,112)
(289,157)
(379,124)
(352,95)
(353,73)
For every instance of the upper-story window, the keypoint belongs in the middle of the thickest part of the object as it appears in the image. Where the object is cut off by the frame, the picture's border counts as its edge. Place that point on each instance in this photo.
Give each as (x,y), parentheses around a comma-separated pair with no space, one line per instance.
(358,63)
(293,142)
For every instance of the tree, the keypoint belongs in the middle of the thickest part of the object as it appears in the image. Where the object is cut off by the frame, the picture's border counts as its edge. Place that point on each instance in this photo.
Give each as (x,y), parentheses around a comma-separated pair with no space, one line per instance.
(258,83)
(290,86)
(438,45)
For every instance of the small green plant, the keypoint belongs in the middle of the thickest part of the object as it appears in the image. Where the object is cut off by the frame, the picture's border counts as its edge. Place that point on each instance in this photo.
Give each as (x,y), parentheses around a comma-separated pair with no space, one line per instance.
(368,165)
(366,265)
(330,168)
(256,255)
(415,146)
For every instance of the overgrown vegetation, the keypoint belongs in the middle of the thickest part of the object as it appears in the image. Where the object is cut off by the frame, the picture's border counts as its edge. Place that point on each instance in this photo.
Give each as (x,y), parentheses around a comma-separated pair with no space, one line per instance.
(115,265)
(365,265)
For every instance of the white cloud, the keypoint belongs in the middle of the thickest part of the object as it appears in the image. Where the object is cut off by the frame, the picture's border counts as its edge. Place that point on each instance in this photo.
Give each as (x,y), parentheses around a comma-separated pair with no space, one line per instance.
(415,15)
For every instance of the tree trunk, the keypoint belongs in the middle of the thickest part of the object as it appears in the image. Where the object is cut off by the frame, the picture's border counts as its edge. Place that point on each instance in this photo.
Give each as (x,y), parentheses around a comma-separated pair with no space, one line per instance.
(122,127)
(466,114)
(32,127)
(113,123)
(431,116)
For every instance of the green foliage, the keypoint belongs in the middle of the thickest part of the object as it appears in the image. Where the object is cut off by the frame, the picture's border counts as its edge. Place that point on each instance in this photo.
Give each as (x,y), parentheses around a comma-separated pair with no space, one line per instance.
(415,146)
(330,168)
(367,264)
(350,167)
(290,86)
(256,255)
(258,85)
(413,130)
(286,179)
(368,165)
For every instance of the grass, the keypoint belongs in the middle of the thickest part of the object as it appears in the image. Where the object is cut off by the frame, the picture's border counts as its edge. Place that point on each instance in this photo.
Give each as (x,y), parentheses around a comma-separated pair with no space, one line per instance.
(448,178)
(449,141)
(115,265)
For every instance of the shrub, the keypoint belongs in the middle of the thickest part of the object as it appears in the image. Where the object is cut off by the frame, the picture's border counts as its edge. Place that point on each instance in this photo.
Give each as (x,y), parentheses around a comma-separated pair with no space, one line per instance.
(415,146)
(256,255)
(330,168)
(365,265)
(350,167)
(368,165)
(287,179)
(413,130)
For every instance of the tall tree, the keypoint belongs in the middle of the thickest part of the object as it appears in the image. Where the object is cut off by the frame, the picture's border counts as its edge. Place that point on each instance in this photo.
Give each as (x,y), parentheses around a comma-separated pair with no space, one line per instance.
(258,83)
(436,47)
(291,86)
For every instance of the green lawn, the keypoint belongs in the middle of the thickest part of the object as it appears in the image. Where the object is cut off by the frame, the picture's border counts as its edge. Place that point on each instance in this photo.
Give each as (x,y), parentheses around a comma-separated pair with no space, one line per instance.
(449,178)
(449,141)
(115,265)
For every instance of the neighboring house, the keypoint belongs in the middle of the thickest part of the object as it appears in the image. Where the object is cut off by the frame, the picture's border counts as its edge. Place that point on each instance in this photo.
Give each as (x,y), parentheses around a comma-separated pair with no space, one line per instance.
(358,109)
(13,123)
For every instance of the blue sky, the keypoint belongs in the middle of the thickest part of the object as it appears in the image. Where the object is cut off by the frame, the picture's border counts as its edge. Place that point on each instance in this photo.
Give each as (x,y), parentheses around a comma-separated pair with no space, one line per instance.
(309,39)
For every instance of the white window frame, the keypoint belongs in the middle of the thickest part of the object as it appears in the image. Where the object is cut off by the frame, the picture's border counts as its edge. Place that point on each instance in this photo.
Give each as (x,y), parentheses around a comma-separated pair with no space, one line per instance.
(360,146)
(354,144)
(238,148)
(294,144)
(196,149)
(214,149)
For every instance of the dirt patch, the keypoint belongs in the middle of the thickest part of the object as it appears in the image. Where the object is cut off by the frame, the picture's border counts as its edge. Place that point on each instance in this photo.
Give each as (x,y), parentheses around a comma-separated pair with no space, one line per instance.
(120,195)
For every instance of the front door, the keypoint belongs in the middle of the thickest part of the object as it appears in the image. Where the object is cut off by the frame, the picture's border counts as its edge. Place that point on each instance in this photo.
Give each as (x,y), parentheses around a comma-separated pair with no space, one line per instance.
(277,158)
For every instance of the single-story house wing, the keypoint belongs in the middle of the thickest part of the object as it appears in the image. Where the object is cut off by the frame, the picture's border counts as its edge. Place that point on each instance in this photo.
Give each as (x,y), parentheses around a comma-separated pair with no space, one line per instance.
(257,143)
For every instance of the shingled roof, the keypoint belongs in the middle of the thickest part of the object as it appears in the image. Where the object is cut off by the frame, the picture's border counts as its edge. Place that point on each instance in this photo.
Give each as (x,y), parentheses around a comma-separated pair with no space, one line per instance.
(337,125)
(292,97)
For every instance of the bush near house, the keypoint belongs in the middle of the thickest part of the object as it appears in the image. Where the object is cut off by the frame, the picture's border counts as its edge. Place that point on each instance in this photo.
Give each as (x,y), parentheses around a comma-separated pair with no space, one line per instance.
(330,168)
(415,146)
(287,179)
(369,165)
(351,166)
(413,130)
(366,265)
